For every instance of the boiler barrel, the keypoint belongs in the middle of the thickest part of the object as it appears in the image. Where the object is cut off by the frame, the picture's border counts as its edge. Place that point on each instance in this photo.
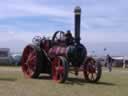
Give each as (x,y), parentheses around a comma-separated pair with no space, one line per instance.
(76,54)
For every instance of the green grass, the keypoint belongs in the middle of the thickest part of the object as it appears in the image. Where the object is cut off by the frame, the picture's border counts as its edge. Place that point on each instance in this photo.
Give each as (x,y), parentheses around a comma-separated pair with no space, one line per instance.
(13,83)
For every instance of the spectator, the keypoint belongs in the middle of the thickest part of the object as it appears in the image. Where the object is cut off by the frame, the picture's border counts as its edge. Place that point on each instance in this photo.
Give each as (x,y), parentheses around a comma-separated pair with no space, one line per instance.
(109,62)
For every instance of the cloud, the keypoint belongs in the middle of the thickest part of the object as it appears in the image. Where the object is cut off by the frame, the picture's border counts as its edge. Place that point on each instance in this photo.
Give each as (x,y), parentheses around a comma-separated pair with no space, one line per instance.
(16,41)
(102,20)
(23,36)
(103,16)
(93,41)
(29,8)
(104,37)
(86,37)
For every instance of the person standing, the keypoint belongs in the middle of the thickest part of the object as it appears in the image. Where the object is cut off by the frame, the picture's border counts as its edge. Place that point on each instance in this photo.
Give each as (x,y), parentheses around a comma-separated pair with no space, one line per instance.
(124,62)
(109,62)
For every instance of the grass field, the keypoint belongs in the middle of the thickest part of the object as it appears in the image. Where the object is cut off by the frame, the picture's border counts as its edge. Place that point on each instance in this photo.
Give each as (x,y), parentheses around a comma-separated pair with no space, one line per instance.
(13,83)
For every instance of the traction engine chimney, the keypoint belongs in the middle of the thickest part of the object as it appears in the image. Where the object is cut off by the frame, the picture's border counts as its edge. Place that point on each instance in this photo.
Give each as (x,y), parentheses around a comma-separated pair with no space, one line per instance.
(77,12)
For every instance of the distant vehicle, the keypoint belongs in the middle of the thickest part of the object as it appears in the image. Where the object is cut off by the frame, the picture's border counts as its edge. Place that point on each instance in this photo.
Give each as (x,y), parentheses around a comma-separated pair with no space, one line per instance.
(16,59)
(117,61)
(5,57)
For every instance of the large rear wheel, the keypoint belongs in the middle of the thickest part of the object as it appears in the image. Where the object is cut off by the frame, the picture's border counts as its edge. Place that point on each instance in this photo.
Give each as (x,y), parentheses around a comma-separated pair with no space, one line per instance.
(92,70)
(30,62)
(59,69)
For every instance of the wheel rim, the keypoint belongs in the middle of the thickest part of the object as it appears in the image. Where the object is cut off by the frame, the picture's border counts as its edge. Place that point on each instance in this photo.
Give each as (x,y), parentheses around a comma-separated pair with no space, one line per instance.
(29,61)
(91,71)
(57,70)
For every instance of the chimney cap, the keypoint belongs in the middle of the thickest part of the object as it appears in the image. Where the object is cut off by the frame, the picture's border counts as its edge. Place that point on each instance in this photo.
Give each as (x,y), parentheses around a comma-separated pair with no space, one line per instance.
(77,9)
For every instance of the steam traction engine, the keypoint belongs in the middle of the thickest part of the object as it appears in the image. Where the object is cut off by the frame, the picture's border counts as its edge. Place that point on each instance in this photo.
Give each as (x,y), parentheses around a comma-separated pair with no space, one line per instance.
(59,55)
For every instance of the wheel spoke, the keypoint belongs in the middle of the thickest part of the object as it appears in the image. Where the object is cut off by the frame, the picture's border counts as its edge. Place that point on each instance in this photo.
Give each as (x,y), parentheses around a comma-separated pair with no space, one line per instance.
(32,58)
(92,76)
(56,75)
(60,69)
(60,76)
(30,71)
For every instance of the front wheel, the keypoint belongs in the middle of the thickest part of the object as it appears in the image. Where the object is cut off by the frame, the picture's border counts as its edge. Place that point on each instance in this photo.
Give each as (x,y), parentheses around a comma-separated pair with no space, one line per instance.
(59,69)
(92,70)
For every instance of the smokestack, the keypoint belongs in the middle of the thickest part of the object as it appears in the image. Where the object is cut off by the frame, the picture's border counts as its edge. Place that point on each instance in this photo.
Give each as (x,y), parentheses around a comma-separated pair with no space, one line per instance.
(77,12)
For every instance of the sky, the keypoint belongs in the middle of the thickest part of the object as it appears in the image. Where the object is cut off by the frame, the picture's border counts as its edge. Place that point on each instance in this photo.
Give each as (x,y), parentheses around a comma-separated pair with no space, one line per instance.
(104,22)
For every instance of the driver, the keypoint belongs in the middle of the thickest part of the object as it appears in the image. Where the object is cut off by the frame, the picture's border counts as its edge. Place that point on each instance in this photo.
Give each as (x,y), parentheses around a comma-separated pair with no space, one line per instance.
(68,38)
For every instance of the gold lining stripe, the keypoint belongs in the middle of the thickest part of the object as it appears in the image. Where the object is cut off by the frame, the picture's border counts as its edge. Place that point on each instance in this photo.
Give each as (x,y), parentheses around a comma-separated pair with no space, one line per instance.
(77,13)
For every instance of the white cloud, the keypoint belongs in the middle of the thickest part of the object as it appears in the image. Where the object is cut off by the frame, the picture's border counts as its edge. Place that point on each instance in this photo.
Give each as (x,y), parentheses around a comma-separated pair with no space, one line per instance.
(85,36)
(102,21)
(104,37)
(23,36)
(110,15)
(29,8)
(16,41)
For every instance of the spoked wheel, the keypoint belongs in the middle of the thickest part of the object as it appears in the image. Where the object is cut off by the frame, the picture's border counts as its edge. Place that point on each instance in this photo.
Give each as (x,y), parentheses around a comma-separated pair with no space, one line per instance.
(59,69)
(30,62)
(92,70)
